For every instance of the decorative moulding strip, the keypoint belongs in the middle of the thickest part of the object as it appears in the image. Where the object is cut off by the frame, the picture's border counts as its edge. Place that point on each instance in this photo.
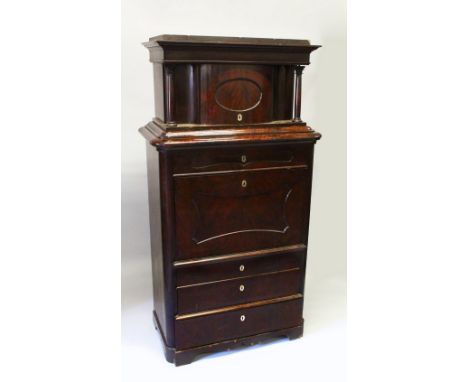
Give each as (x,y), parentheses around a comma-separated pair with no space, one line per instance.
(237,307)
(238,256)
(298,166)
(239,278)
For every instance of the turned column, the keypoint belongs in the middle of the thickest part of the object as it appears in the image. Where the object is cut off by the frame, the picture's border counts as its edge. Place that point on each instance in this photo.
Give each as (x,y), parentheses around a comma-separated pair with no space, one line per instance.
(192,91)
(297,93)
(169,99)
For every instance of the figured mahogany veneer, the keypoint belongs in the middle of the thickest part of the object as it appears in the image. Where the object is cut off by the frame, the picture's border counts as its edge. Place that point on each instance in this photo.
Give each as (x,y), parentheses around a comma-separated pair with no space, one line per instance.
(214,159)
(240,211)
(229,181)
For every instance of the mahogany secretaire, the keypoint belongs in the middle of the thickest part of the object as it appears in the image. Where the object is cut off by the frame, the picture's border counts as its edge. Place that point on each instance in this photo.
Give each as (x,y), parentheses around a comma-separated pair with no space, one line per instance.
(229,178)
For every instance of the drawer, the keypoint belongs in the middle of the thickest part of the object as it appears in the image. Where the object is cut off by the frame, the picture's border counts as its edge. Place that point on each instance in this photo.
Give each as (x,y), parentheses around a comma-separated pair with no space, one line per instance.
(237,291)
(238,212)
(238,268)
(241,157)
(192,331)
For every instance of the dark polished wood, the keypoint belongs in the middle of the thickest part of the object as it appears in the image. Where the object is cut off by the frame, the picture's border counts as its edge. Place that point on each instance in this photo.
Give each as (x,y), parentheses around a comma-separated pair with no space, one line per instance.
(236,94)
(169,104)
(297,93)
(196,49)
(244,320)
(245,157)
(162,139)
(187,356)
(240,211)
(220,94)
(215,294)
(228,80)
(238,256)
(235,266)
(229,181)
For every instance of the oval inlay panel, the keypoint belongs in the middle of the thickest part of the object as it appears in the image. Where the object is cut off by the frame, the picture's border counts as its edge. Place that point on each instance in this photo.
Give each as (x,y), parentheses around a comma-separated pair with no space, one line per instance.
(238,95)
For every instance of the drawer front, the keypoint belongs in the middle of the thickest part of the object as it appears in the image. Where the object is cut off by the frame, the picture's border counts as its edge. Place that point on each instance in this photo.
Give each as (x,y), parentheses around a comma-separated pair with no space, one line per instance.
(238,212)
(242,157)
(238,291)
(238,268)
(236,94)
(203,330)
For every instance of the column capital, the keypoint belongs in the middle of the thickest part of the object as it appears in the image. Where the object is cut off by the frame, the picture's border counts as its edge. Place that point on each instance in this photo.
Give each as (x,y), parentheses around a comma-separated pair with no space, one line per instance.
(299,69)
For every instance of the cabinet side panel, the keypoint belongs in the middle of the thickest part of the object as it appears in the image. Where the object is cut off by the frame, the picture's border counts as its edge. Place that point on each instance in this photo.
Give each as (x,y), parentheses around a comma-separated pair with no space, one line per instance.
(167,240)
(157,261)
(158,91)
(306,227)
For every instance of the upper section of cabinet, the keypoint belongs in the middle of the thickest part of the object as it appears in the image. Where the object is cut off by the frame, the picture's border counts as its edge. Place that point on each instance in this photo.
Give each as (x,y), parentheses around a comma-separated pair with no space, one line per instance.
(227,87)
(212,49)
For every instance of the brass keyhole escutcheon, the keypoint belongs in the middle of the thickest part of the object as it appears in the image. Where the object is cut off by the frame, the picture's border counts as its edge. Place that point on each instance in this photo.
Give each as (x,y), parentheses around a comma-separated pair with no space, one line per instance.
(241,268)
(239,117)
(243,159)
(242,318)
(241,288)
(244,183)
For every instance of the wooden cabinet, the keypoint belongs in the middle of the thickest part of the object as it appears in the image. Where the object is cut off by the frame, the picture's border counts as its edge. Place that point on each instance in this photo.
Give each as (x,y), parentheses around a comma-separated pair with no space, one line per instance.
(229,176)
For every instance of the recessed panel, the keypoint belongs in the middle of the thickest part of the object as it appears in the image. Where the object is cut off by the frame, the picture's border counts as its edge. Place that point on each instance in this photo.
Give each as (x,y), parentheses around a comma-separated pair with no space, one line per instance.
(229,213)
(236,94)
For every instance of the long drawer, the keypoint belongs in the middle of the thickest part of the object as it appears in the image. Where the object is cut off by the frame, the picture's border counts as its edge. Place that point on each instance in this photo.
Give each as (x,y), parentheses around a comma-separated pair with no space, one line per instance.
(239,290)
(241,158)
(243,211)
(220,325)
(239,267)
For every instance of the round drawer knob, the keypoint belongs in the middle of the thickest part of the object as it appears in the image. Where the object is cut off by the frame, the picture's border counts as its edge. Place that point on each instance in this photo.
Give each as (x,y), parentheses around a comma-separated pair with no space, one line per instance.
(241,288)
(244,183)
(243,158)
(241,268)
(242,318)
(239,117)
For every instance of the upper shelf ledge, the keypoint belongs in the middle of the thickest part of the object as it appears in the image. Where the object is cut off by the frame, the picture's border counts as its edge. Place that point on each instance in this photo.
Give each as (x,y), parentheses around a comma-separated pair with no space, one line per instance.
(214,49)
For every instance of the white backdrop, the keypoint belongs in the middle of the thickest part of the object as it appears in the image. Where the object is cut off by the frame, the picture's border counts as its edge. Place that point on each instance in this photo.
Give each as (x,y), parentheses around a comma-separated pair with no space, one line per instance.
(322,348)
